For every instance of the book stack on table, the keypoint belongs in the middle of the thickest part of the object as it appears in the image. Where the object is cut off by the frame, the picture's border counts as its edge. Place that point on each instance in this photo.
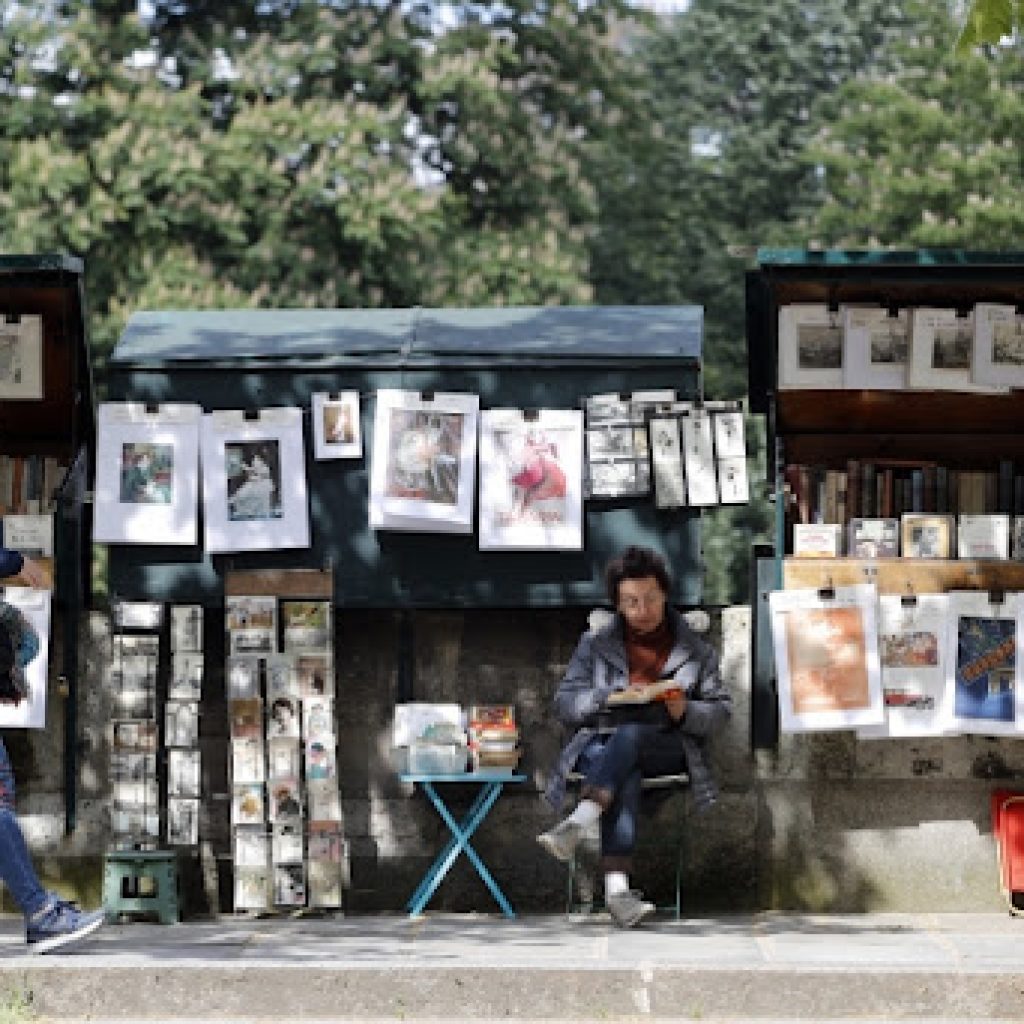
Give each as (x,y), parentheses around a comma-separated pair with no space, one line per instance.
(493,737)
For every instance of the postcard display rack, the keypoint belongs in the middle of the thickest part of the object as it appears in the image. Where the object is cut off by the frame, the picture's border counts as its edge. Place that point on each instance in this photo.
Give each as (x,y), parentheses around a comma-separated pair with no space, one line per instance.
(286,820)
(898,440)
(150,685)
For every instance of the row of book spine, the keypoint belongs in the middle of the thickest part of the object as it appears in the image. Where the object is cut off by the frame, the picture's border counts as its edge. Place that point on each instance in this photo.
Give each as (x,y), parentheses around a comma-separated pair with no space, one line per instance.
(28,483)
(888,489)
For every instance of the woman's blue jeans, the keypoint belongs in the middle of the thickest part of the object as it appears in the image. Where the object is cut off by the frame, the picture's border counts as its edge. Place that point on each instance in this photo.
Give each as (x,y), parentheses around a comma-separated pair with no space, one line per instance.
(615,763)
(15,863)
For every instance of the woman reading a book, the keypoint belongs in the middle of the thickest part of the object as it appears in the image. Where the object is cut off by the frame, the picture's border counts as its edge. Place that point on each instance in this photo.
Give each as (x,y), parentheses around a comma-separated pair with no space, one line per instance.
(642,695)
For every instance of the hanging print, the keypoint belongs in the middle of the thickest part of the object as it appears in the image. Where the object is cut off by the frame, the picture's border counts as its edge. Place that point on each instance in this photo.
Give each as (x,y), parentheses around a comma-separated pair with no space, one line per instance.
(424,460)
(147,474)
(531,480)
(254,481)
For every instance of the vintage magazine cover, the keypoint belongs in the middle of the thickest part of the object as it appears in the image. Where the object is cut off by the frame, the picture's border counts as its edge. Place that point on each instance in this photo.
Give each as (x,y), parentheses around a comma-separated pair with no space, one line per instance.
(983,664)
(911,650)
(826,658)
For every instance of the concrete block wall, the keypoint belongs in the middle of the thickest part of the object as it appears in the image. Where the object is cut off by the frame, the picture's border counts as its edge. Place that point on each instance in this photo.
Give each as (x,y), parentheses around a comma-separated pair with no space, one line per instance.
(824,822)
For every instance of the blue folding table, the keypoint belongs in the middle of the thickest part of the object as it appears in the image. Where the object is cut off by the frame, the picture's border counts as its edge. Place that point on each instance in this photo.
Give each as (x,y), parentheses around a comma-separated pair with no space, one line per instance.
(491,784)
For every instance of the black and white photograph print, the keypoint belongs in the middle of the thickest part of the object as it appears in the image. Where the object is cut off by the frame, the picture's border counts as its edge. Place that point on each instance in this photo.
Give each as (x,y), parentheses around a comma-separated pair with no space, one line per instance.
(181,723)
(284,717)
(951,346)
(810,346)
(186,628)
(998,345)
(127,645)
(252,470)
(139,736)
(284,757)
(182,822)
(184,775)
(243,676)
(132,767)
(282,679)
(289,885)
(285,800)
(186,676)
(252,641)
(138,614)
(820,346)
(144,793)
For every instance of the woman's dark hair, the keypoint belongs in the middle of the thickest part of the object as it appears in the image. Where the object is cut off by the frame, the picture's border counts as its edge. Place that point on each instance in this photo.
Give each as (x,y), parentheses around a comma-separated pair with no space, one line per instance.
(636,563)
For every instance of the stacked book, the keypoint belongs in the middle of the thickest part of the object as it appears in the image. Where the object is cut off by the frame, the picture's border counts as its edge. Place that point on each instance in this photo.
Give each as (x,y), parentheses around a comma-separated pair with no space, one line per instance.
(493,736)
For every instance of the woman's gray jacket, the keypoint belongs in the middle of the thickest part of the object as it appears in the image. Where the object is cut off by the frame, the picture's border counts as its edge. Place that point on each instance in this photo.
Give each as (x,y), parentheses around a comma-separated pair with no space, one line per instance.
(599,666)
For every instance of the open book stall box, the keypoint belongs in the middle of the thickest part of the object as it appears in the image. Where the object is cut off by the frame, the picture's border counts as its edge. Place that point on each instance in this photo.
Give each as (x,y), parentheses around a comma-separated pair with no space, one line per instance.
(895,443)
(48,434)
(270,442)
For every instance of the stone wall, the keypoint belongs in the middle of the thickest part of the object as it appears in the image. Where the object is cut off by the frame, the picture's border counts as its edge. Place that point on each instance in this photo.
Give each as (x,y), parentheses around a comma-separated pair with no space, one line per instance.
(824,822)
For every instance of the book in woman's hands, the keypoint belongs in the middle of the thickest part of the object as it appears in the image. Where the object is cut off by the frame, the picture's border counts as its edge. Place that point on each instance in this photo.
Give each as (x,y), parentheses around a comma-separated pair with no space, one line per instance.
(645,693)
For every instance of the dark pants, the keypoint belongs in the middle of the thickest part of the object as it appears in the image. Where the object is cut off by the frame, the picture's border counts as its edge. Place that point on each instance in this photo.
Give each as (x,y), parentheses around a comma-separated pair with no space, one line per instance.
(613,766)
(15,863)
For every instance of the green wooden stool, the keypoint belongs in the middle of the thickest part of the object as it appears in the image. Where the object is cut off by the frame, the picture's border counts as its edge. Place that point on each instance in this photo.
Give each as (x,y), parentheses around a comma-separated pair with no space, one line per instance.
(141,882)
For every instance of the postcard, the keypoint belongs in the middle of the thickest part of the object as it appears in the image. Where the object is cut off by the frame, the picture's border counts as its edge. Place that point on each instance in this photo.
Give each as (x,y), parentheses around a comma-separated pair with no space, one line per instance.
(138,822)
(316,675)
(141,793)
(184,772)
(186,676)
(247,761)
(320,760)
(30,535)
(181,723)
(21,358)
(284,758)
(182,822)
(284,717)
(285,800)
(282,677)
(318,718)
(307,625)
(246,718)
(243,676)
(132,767)
(251,847)
(252,888)
(140,736)
(247,805)
(325,884)
(287,844)
(186,628)
(324,800)
(138,614)
(289,885)
(252,641)
(246,612)
(145,645)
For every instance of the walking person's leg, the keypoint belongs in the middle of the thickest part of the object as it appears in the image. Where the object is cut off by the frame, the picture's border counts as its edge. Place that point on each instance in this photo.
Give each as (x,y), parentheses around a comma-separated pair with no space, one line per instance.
(50,922)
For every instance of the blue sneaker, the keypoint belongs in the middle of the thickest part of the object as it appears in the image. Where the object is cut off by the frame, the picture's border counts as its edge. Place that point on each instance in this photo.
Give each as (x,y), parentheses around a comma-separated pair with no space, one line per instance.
(62,923)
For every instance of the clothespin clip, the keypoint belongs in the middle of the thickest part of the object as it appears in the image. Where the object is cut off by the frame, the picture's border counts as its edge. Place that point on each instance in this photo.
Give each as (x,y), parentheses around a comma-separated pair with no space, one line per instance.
(909,599)
(827,592)
(250,415)
(531,415)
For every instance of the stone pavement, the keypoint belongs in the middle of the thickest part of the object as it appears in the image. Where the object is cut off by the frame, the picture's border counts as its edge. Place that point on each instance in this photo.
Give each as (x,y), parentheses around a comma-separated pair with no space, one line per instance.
(766,967)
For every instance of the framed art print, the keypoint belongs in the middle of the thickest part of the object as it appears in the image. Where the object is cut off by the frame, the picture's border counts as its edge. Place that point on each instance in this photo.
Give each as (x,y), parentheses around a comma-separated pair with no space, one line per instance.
(826,658)
(983,657)
(21,358)
(254,481)
(911,651)
(147,474)
(423,469)
(336,429)
(531,480)
(810,346)
(30,713)
(876,343)
(998,345)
